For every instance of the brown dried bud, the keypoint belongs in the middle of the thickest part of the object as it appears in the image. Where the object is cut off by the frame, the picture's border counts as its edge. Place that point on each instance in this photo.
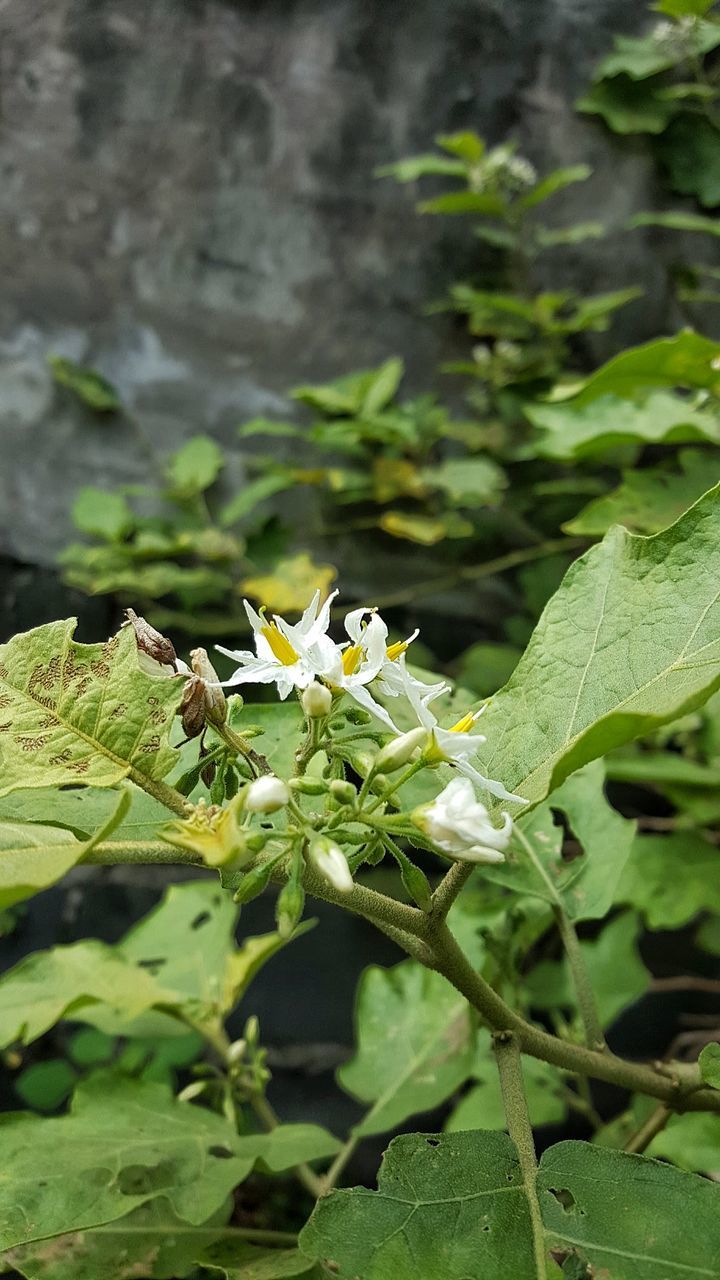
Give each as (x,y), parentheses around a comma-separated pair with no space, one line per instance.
(215,704)
(149,641)
(192,706)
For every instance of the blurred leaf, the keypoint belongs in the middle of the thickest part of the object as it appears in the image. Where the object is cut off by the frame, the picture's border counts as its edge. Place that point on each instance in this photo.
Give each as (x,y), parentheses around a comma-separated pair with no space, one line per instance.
(548,237)
(52,690)
(709,1063)
(650,500)
(485,668)
(484,203)
(627,106)
(383,385)
(254,493)
(576,429)
(414,167)
(291,585)
(88,385)
(678,220)
(691,1141)
(195,467)
(643,56)
(353,393)
(687,360)
(683,8)
(555,181)
(426,530)
(690,153)
(44,1086)
(415,1044)
(469,482)
(466,144)
(396,477)
(671,878)
(617,974)
(107,515)
(268,427)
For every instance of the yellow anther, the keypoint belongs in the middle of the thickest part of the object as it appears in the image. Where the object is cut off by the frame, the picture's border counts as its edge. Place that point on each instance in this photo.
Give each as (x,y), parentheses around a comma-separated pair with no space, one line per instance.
(281,647)
(465,723)
(393,651)
(351,659)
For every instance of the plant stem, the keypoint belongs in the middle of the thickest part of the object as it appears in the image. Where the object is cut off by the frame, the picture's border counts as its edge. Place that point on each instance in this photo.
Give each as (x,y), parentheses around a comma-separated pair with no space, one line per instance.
(507,1055)
(655,1122)
(140,853)
(338,1165)
(430,586)
(160,791)
(269,1121)
(587,1007)
(242,748)
(448,889)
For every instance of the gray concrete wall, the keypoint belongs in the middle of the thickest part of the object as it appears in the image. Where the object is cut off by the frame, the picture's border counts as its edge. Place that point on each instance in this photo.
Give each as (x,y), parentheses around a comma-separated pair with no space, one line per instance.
(188,203)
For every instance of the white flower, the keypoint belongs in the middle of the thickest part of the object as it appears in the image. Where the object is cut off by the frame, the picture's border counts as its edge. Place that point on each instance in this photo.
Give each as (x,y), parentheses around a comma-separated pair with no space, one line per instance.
(460,825)
(266,795)
(289,656)
(456,744)
(331,862)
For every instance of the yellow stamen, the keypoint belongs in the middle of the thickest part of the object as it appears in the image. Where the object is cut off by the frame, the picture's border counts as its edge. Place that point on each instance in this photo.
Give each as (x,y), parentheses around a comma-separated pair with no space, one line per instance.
(351,659)
(281,647)
(464,724)
(393,651)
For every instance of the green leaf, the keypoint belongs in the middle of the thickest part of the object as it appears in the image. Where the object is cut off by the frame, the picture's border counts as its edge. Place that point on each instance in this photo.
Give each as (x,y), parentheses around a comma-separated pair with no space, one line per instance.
(683,8)
(383,385)
(415,1044)
(555,181)
(671,878)
(468,482)
(617,974)
(709,1063)
(690,1141)
(620,1213)
(687,360)
(81,810)
(482,1107)
(627,643)
(648,501)
(690,153)
(123,1144)
(44,1086)
(254,493)
(268,427)
(33,856)
(466,144)
(456,1202)
(578,430)
(80,713)
(587,884)
(678,220)
(549,237)
(195,467)
(106,515)
(643,56)
(414,167)
(610,1213)
(87,384)
(626,106)
(484,203)
(483,668)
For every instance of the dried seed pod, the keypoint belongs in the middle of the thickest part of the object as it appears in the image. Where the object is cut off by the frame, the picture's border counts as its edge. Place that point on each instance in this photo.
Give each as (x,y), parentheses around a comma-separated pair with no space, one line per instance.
(192,707)
(149,641)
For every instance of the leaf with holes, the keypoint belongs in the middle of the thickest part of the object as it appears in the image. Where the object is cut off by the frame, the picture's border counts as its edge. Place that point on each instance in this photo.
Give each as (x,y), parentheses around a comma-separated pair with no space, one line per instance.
(80,713)
(629,642)
(124,1143)
(415,1044)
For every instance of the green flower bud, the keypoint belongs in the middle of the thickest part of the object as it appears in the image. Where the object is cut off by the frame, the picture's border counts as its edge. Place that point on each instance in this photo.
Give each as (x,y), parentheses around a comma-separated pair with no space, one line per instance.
(400,751)
(308,786)
(289,908)
(331,863)
(356,715)
(343,791)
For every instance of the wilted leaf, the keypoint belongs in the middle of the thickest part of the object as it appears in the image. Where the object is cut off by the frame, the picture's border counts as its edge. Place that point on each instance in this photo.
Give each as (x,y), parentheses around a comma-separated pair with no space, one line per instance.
(427,530)
(292,584)
(80,713)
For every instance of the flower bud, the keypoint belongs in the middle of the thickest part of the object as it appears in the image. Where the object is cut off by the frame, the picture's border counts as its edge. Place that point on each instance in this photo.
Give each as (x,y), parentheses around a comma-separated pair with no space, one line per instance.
(316,701)
(192,707)
(289,908)
(237,1051)
(266,795)
(460,825)
(400,751)
(308,786)
(215,702)
(331,863)
(357,715)
(343,791)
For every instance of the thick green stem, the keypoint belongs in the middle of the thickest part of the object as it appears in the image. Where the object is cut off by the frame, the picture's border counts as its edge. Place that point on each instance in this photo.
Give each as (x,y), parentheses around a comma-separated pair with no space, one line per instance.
(160,791)
(507,1055)
(450,886)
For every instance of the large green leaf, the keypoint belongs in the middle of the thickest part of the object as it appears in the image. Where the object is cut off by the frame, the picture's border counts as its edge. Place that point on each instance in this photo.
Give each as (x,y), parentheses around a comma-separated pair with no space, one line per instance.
(648,501)
(81,810)
(33,856)
(691,1141)
(629,642)
(123,1144)
(456,1208)
(446,1208)
(671,878)
(415,1044)
(77,713)
(580,429)
(683,361)
(587,883)
(643,56)
(626,106)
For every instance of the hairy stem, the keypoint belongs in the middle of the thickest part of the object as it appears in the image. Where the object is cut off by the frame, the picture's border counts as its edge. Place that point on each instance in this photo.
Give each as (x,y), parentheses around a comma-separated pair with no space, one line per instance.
(448,889)
(242,748)
(160,791)
(507,1056)
(655,1122)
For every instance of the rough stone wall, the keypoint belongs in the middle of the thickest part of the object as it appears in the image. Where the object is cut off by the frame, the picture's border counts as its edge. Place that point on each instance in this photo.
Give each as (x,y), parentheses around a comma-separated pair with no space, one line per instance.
(187,202)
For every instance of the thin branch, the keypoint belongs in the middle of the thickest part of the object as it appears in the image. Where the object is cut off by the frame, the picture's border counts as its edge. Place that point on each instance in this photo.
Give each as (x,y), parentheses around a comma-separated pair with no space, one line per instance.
(448,889)
(654,1124)
(269,1120)
(507,1055)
